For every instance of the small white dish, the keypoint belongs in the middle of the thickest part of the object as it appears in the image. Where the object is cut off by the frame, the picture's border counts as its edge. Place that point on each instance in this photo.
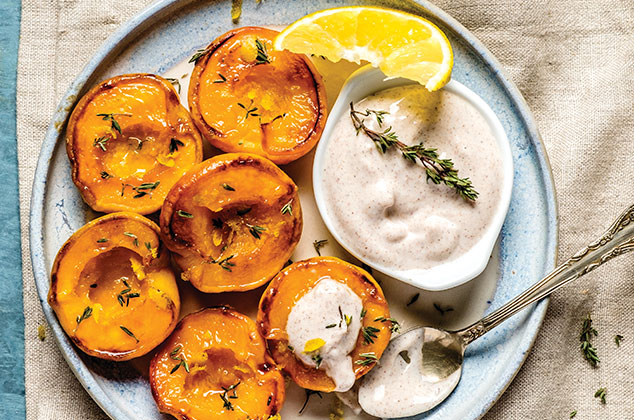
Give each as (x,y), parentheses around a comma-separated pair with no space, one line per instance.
(369,80)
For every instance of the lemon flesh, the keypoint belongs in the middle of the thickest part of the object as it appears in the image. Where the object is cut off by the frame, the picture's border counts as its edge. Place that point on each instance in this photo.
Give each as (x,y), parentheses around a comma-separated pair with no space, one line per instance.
(398,43)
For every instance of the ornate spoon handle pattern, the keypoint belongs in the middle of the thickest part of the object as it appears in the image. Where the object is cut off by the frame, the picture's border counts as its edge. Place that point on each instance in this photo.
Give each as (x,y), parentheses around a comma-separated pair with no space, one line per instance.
(617,240)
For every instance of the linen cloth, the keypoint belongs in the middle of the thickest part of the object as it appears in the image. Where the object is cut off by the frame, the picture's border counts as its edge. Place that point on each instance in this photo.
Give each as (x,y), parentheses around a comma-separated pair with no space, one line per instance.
(573,60)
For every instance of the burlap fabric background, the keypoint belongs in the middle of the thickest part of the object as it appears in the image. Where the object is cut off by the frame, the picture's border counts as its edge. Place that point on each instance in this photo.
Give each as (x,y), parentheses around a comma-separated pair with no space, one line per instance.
(574,62)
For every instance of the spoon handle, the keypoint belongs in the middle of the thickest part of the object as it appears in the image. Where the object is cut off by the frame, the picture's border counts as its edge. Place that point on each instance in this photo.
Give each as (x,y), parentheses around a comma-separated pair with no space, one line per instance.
(617,240)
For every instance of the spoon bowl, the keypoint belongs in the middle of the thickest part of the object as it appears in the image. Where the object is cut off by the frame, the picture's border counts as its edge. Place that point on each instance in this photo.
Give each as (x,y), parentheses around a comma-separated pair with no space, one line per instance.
(431,359)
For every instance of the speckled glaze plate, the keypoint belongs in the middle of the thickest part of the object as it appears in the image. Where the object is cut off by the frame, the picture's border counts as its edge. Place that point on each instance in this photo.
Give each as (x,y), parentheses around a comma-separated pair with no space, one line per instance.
(165,35)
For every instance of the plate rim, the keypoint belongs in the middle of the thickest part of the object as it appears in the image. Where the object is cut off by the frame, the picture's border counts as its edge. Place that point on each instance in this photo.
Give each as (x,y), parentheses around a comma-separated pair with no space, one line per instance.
(139,23)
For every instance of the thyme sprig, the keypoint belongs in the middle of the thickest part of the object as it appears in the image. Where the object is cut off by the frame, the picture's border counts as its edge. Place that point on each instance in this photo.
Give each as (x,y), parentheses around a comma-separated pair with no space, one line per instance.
(262,56)
(395,326)
(617,340)
(256,231)
(198,55)
(369,334)
(126,294)
(224,263)
(318,245)
(367,359)
(589,351)
(251,111)
(229,393)
(288,208)
(438,170)
(180,359)
(87,313)
(101,143)
(174,144)
(175,82)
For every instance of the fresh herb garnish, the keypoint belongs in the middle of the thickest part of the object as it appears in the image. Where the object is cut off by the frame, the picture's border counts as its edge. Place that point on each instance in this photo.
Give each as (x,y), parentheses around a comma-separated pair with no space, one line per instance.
(127,331)
(175,82)
(124,296)
(617,339)
(291,348)
(309,392)
(184,214)
(133,236)
(601,392)
(369,334)
(368,359)
(413,299)
(198,55)
(242,212)
(228,187)
(113,122)
(174,144)
(437,170)
(143,189)
(318,245)
(251,111)
(405,356)
(225,264)
(441,310)
(573,414)
(181,360)
(363,312)
(87,313)
(255,230)
(105,175)
(221,80)
(101,143)
(229,393)
(102,240)
(262,56)
(395,327)
(589,351)
(288,209)
(331,325)
(316,357)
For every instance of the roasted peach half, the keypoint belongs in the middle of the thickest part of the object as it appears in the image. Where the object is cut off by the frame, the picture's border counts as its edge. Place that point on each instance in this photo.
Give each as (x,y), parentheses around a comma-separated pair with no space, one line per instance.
(113,289)
(128,141)
(246,97)
(295,282)
(232,222)
(215,366)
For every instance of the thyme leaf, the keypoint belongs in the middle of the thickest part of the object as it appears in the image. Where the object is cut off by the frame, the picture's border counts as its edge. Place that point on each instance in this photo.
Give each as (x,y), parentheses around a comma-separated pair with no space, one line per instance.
(175,82)
(413,299)
(600,394)
(127,331)
(221,80)
(617,339)
(184,214)
(113,122)
(198,55)
(174,143)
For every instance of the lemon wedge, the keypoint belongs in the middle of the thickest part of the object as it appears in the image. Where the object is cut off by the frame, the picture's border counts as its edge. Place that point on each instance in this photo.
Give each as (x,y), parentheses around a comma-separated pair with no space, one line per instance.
(399,43)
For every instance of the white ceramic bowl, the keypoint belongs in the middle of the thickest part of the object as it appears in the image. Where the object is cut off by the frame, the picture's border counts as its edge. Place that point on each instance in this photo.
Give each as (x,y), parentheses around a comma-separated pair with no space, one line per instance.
(367,81)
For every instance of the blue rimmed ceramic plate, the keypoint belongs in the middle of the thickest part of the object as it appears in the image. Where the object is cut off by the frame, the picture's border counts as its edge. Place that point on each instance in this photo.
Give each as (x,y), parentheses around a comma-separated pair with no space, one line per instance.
(165,35)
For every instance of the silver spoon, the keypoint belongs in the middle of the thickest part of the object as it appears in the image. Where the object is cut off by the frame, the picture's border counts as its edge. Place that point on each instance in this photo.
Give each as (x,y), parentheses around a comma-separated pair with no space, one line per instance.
(437,368)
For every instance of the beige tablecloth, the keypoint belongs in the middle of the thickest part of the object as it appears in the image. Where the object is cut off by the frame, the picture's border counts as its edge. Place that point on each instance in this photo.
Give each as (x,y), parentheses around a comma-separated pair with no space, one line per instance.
(574,62)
